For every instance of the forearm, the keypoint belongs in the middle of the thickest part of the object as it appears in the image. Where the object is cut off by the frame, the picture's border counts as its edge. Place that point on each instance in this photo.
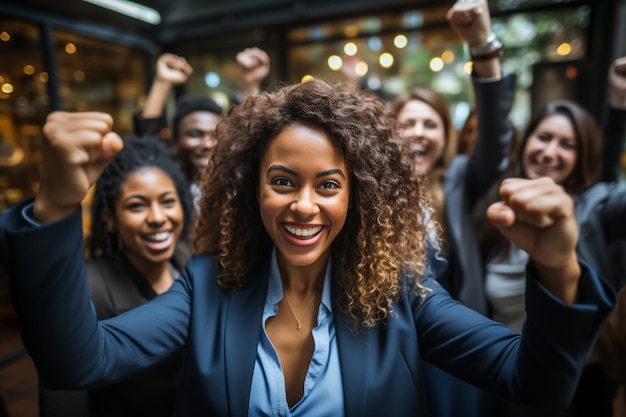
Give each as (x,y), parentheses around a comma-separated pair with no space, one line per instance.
(557,338)
(249,90)
(561,282)
(49,290)
(494,101)
(157,97)
(487,68)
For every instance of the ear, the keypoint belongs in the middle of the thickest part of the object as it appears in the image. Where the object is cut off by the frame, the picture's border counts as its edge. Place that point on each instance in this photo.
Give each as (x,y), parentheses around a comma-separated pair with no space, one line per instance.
(111,223)
(175,146)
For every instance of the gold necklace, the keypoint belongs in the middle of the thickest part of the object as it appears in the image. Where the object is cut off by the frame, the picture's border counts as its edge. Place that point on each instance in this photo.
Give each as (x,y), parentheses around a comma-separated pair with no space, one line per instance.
(299,320)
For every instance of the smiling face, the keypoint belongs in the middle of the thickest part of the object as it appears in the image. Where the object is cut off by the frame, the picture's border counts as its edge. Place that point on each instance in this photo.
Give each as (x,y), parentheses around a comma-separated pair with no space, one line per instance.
(304,190)
(422,128)
(148,217)
(551,149)
(197,138)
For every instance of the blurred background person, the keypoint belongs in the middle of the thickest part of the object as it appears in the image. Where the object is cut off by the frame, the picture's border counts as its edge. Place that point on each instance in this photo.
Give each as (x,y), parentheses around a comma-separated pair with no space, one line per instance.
(564,142)
(458,181)
(467,134)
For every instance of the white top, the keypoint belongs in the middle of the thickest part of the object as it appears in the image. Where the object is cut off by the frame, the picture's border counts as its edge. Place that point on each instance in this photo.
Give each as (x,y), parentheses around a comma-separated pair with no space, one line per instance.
(505,286)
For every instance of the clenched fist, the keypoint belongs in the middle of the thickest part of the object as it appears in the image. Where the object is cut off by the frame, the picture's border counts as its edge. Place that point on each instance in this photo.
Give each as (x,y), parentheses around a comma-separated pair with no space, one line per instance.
(538,217)
(77,147)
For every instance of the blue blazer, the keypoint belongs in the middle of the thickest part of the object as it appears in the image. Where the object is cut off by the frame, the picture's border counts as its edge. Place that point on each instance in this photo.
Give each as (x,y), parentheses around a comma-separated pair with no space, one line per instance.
(218,330)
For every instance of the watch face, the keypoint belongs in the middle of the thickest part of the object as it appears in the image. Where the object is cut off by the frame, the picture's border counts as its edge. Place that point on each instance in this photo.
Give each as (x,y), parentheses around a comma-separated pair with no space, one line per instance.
(490,49)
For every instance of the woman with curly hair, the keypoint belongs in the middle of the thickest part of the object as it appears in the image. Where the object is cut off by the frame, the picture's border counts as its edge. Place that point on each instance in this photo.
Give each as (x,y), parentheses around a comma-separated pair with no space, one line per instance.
(141,212)
(310,292)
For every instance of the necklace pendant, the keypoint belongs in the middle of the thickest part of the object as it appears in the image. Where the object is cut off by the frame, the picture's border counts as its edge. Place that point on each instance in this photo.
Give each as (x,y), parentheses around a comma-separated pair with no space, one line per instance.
(298,326)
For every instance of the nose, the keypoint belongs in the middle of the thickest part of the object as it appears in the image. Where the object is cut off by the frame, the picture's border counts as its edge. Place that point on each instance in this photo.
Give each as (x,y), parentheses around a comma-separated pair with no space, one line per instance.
(208,140)
(417,129)
(305,205)
(550,149)
(156,214)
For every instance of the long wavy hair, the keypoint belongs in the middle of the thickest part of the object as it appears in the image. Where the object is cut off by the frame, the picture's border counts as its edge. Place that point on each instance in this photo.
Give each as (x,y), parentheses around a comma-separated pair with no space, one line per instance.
(588,145)
(138,152)
(384,234)
(438,104)
(585,174)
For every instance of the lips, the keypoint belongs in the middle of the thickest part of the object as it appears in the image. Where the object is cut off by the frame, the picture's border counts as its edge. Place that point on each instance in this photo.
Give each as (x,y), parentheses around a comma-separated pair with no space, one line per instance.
(303,232)
(302,236)
(542,169)
(159,241)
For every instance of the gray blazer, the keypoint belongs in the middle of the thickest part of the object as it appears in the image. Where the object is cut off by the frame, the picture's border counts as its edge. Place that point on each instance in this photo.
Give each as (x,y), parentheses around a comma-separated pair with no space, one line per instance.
(468,178)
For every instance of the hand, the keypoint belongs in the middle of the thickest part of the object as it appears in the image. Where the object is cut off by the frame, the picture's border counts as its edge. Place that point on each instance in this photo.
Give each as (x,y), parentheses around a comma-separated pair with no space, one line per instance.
(254,66)
(76,149)
(173,69)
(538,217)
(471,20)
(617,82)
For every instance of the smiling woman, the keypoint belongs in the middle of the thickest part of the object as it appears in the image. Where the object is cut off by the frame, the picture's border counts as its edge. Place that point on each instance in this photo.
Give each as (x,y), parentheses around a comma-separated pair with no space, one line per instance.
(140,214)
(312,260)
(303,206)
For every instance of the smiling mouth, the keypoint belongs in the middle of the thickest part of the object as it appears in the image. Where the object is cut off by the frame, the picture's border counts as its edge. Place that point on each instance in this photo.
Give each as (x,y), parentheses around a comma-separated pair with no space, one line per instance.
(418,150)
(303,232)
(544,167)
(157,237)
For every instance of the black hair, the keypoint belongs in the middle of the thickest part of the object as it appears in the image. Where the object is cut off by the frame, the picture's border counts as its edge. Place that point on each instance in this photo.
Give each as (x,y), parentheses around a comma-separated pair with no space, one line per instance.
(138,152)
(190,104)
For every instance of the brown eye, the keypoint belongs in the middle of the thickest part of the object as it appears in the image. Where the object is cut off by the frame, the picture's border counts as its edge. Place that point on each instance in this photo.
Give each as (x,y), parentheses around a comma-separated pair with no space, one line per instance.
(331,185)
(282,182)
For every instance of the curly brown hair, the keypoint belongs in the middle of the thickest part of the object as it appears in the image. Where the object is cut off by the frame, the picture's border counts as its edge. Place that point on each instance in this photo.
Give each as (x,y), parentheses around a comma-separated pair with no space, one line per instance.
(385,233)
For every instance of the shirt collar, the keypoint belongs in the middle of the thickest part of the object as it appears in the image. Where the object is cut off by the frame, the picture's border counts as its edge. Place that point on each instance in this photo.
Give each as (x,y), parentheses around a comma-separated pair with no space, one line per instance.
(275,288)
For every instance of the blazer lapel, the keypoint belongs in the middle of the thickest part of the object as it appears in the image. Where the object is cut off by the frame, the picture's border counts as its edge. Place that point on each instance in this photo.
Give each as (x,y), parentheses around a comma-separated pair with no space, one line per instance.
(354,351)
(243,327)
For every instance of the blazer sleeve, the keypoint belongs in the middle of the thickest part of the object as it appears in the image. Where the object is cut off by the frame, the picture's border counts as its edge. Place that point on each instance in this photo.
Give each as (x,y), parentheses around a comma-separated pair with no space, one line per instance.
(69,347)
(614,128)
(611,344)
(612,213)
(148,126)
(494,100)
(539,367)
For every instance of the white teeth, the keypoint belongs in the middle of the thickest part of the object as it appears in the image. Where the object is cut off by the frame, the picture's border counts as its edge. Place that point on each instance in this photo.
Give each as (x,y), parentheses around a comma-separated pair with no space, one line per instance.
(545,166)
(418,149)
(158,237)
(304,232)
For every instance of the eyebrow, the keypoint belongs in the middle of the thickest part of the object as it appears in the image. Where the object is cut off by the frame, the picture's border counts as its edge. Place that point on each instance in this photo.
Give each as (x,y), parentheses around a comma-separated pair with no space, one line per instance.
(143,196)
(294,172)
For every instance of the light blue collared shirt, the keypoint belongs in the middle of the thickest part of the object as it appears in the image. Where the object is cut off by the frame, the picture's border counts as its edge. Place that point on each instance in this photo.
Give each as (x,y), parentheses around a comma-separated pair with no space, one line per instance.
(323,386)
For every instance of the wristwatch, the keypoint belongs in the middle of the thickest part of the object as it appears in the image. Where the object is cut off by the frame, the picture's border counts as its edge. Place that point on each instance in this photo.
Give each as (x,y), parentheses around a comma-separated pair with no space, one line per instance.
(492,48)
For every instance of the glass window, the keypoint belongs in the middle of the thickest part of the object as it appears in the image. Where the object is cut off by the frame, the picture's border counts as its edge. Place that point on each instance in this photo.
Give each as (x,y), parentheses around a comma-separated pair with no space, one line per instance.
(414,48)
(24,104)
(215,76)
(96,75)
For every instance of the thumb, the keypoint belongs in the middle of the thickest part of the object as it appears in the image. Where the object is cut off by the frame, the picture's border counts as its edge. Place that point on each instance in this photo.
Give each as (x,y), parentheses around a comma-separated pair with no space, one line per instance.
(500,215)
(112,144)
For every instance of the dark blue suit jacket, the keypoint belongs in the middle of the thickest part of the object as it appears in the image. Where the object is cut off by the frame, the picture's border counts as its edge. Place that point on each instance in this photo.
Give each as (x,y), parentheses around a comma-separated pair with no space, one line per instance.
(219,330)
